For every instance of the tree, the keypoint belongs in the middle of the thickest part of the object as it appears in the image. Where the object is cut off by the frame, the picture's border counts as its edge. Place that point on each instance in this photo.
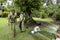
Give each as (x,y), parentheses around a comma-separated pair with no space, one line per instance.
(2,0)
(1,3)
(28,5)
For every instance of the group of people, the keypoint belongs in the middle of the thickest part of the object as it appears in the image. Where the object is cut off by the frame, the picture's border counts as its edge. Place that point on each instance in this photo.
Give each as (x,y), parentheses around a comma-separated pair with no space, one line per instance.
(12,20)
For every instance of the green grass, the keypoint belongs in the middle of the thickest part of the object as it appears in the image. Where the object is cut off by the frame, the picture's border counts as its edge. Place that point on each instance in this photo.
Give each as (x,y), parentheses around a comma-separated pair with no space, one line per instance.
(7,34)
(44,19)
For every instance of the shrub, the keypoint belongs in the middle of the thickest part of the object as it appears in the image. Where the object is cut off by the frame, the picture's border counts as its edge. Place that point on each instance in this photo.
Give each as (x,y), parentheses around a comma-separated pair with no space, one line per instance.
(43,14)
(4,14)
(50,10)
(0,15)
(57,15)
(35,13)
(39,14)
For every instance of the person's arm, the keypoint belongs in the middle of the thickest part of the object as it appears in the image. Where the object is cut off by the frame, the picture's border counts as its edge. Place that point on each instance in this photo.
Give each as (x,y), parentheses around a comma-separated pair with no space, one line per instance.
(20,18)
(8,19)
(16,19)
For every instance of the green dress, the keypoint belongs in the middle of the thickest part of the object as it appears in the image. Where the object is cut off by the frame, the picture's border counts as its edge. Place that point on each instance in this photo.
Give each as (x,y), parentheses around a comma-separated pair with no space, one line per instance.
(12,21)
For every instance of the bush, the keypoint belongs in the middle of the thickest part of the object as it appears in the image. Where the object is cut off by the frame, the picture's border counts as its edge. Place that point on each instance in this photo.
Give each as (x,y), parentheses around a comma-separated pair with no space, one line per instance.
(50,10)
(0,15)
(43,14)
(57,15)
(35,13)
(39,14)
(4,14)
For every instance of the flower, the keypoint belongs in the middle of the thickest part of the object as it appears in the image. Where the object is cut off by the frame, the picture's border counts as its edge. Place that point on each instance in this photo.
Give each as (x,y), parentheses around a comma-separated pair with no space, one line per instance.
(32,32)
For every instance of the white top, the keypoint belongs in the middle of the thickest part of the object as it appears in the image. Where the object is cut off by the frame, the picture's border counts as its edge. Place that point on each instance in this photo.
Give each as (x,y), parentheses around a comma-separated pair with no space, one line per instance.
(21,17)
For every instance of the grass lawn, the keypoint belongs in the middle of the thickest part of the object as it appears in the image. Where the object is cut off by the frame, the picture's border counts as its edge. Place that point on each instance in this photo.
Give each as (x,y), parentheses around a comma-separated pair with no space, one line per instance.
(7,34)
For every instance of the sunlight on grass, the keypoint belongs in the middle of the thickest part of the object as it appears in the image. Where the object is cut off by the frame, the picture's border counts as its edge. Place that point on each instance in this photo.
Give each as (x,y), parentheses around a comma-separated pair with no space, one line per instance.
(44,20)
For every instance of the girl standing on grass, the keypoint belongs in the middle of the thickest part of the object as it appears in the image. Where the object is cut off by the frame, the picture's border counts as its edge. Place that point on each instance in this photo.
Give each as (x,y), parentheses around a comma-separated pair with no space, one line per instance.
(12,21)
(21,23)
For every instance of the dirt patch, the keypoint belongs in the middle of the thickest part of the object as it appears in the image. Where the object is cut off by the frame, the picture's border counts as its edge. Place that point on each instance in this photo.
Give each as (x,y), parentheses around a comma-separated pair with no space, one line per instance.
(56,22)
(40,24)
